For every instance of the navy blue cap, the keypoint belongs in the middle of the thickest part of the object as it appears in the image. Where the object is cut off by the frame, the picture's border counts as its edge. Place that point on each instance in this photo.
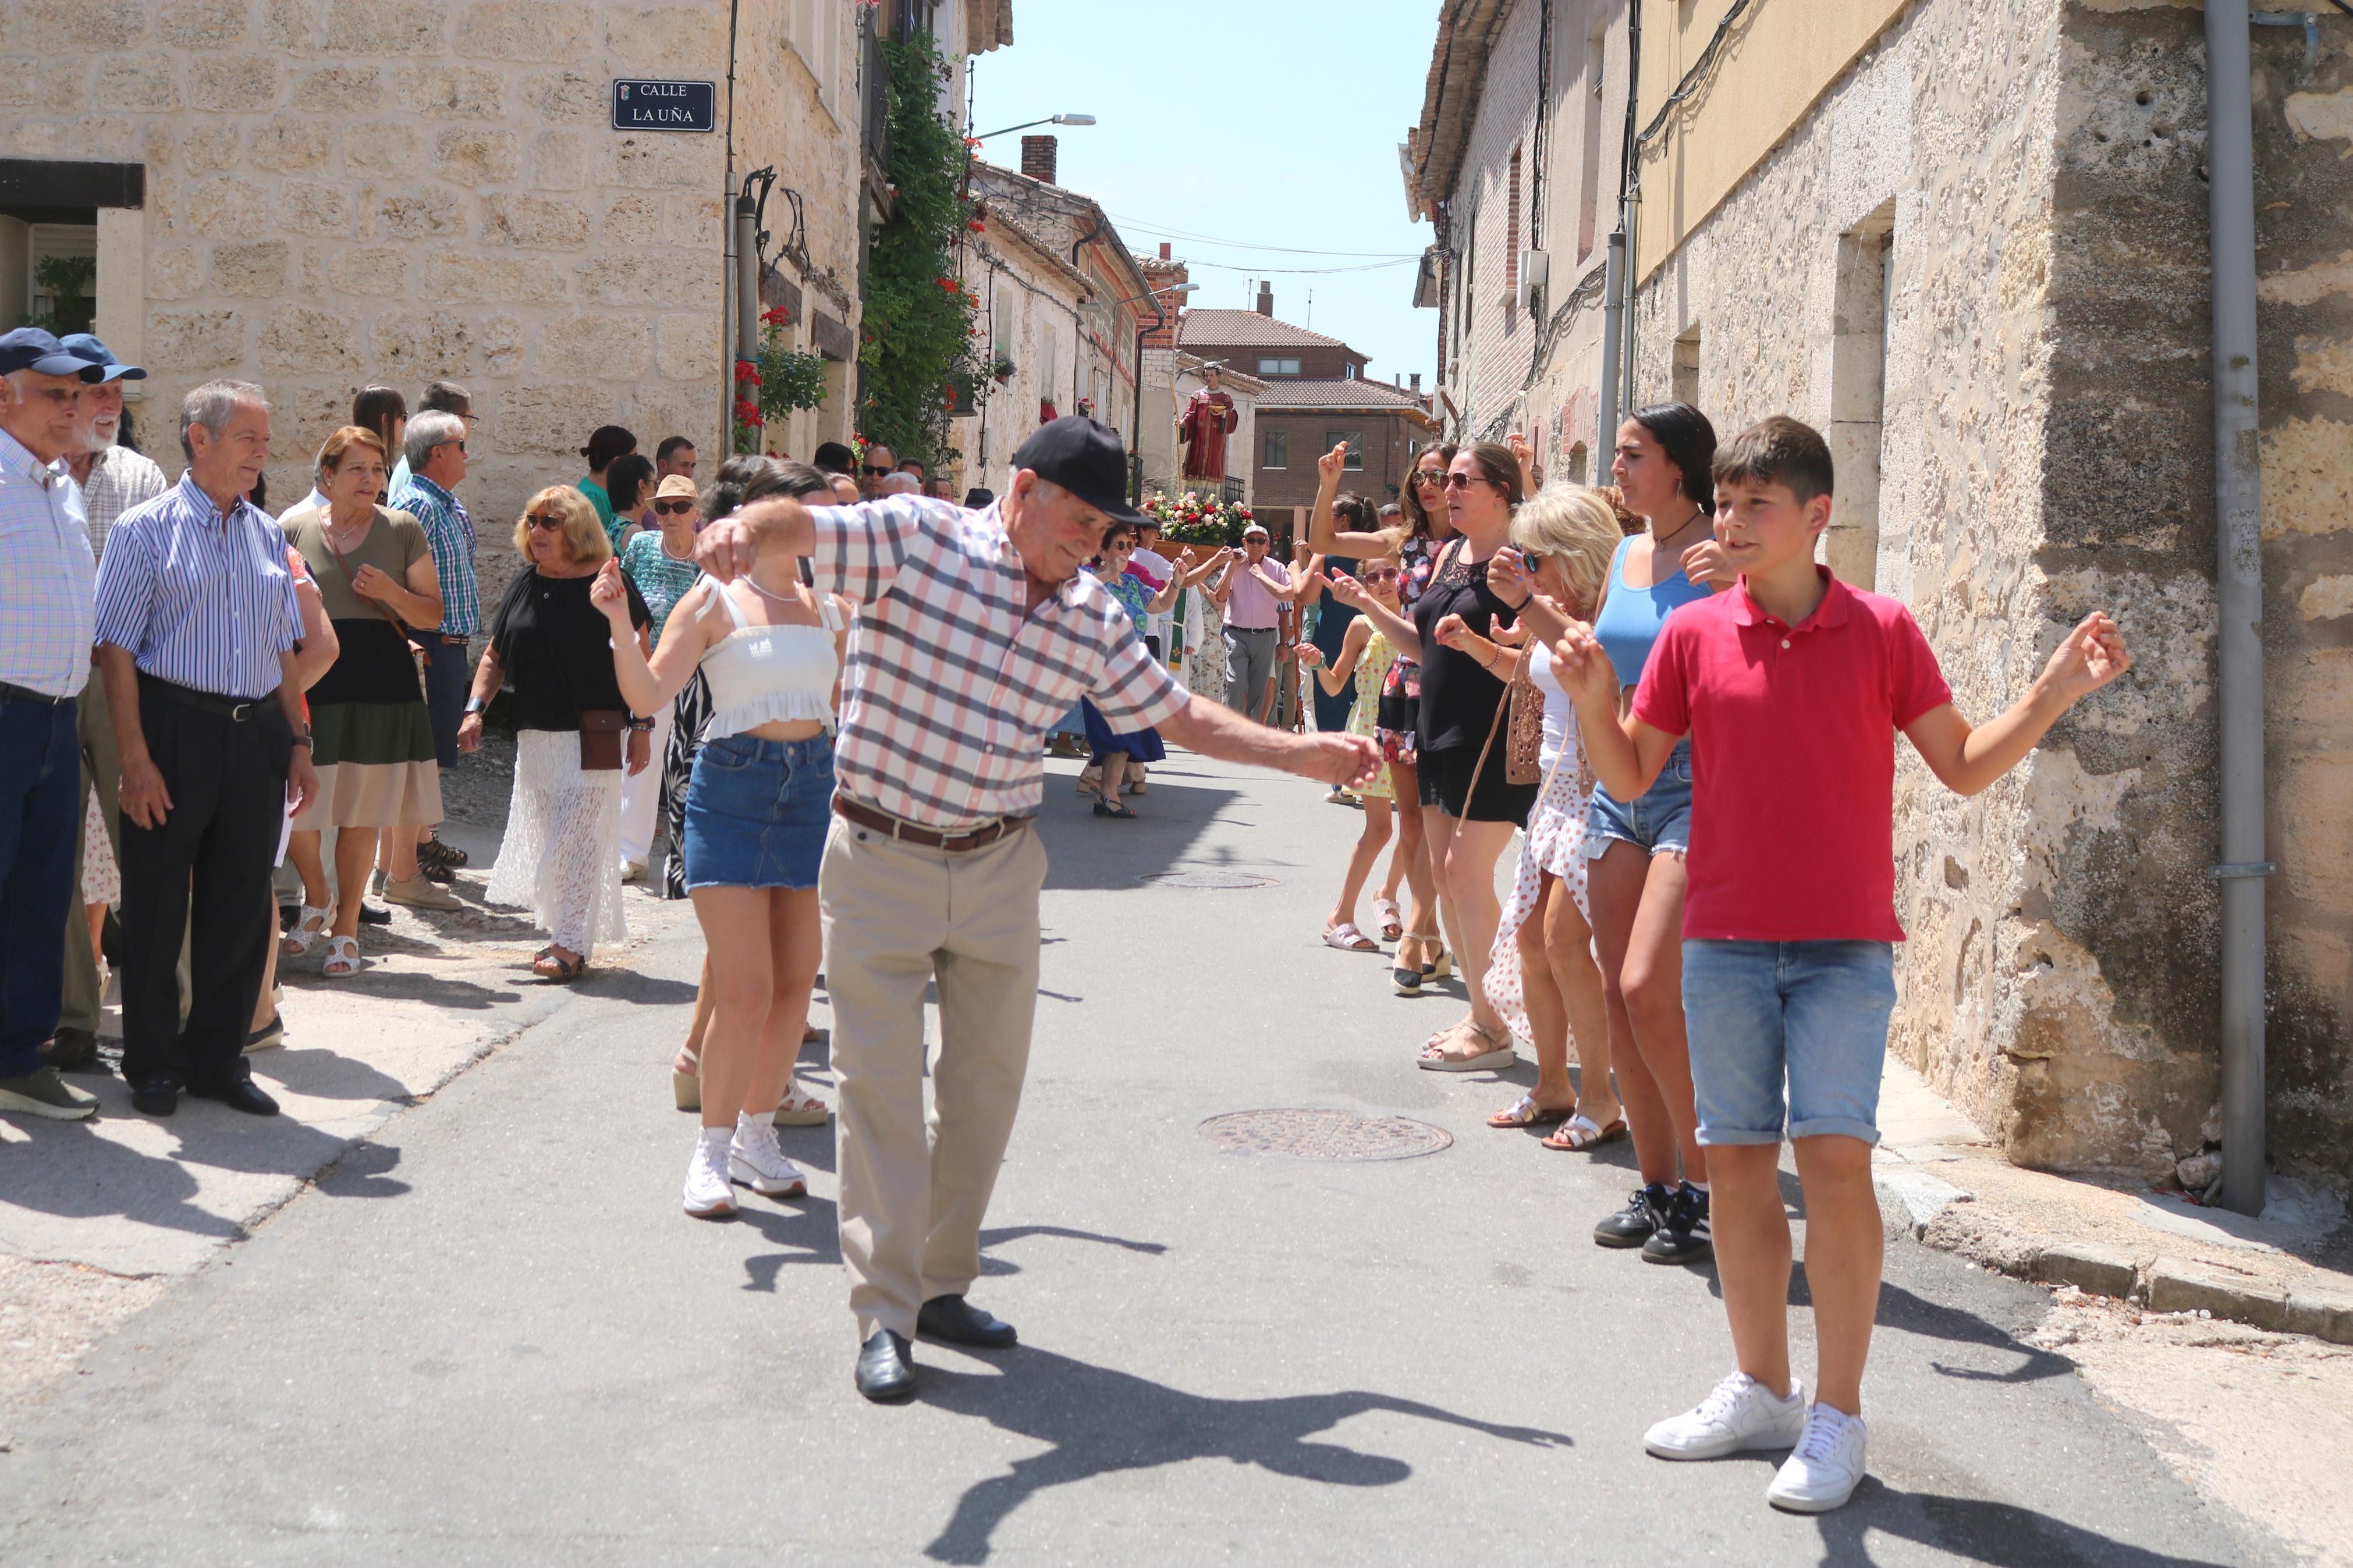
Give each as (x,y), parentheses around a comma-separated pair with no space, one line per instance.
(1083,457)
(83,345)
(29,347)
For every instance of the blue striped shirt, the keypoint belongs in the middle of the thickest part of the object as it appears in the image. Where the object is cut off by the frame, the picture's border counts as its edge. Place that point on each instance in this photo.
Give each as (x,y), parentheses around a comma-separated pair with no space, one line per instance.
(199,599)
(45,584)
(450,532)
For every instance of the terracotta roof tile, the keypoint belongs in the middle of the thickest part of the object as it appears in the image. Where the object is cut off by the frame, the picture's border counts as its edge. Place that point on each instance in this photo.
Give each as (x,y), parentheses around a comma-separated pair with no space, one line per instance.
(1247,328)
(1372,395)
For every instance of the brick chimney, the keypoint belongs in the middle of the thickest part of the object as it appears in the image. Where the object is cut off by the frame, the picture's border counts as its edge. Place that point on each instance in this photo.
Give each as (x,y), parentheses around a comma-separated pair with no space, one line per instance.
(1266,299)
(1037,158)
(1417,384)
(1164,250)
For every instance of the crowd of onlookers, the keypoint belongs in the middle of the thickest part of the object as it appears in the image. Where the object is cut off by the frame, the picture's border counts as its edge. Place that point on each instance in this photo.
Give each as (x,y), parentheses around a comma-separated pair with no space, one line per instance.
(1687,724)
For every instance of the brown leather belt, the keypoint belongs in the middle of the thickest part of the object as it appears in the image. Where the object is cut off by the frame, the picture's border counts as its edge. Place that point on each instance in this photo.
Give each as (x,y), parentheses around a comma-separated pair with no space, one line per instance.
(925,838)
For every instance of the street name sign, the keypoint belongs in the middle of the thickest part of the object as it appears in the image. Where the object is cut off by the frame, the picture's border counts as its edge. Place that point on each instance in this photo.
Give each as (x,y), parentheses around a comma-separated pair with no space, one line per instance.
(665,106)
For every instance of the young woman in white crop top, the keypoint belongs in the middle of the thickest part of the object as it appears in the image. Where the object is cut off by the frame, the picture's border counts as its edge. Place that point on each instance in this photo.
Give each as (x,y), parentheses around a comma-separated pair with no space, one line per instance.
(758,806)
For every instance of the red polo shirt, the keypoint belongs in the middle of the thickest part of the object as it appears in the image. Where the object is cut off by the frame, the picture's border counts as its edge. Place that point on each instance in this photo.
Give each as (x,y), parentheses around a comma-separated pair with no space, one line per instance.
(1793,759)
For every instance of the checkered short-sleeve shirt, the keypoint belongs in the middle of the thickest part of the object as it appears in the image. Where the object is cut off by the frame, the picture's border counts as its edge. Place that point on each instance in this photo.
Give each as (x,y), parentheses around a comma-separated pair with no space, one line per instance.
(951,684)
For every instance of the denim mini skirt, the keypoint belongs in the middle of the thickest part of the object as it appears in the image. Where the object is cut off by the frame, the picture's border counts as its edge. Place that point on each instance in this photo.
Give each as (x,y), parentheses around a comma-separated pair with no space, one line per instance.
(757,812)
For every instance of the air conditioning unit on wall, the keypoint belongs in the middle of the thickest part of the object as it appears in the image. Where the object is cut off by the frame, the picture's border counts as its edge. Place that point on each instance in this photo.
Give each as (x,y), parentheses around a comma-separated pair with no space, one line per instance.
(1534,265)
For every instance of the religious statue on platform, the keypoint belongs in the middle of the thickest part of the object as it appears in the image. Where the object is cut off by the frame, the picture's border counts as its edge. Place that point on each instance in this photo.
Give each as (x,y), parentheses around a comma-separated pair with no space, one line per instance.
(1210,417)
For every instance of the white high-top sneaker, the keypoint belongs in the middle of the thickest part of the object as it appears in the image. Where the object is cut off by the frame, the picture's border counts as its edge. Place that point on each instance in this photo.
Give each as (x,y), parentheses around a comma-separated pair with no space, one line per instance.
(1742,1414)
(755,1160)
(708,1195)
(1826,1468)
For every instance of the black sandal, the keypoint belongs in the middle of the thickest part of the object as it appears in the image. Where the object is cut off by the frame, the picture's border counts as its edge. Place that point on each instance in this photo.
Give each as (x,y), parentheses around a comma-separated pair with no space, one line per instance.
(1105,808)
(568,969)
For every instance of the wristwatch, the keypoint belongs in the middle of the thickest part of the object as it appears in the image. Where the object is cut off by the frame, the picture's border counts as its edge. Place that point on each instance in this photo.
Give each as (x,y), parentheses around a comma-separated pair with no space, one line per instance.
(642,726)
(473,705)
(303,739)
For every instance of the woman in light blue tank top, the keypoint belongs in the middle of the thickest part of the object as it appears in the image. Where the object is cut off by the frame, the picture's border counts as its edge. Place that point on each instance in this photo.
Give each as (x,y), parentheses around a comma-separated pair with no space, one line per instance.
(1635,877)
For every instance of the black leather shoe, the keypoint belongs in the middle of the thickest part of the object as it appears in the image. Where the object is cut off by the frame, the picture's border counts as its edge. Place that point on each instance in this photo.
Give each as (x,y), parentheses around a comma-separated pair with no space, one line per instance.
(159,1098)
(72,1051)
(372,916)
(238,1094)
(886,1368)
(1633,1225)
(958,1322)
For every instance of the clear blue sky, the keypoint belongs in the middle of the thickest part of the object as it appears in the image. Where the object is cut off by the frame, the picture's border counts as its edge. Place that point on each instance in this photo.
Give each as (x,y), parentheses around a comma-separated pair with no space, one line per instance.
(1271,122)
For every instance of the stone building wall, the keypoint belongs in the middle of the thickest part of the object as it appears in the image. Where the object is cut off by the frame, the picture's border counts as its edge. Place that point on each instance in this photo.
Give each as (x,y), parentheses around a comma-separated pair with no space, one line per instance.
(345,190)
(2039,398)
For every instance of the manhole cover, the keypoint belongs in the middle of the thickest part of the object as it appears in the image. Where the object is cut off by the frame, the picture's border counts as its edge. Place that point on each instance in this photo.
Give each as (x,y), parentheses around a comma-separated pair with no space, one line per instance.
(1325,1134)
(1203,878)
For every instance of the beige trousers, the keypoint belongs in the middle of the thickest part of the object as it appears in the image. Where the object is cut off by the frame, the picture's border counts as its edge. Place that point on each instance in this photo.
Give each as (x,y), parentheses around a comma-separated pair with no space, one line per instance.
(913,1190)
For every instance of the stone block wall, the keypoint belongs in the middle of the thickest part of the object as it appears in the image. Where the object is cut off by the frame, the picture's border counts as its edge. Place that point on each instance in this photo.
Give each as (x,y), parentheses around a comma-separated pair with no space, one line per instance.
(346,191)
(2046,449)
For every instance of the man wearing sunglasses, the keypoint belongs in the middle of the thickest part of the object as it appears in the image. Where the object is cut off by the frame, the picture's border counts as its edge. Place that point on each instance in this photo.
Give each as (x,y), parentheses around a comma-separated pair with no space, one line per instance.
(879,464)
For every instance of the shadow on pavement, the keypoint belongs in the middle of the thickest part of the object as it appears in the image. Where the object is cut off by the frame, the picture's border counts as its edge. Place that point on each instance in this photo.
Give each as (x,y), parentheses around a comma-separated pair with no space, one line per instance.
(85,1176)
(1100,1421)
(1912,1313)
(404,986)
(2000,1533)
(1087,852)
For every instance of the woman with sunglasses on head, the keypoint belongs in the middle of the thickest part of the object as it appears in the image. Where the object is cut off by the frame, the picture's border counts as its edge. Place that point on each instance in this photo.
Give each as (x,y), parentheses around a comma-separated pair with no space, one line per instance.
(551,645)
(660,562)
(1469,808)
(1413,543)
(771,650)
(1541,974)
(1362,662)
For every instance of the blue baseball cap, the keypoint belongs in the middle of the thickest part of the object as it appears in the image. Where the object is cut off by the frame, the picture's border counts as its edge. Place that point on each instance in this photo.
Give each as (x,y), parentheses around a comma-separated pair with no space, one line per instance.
(82,345)
(29,347)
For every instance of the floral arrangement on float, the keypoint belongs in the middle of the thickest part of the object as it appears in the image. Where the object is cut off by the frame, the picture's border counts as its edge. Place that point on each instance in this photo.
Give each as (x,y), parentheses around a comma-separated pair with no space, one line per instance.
(1189,518)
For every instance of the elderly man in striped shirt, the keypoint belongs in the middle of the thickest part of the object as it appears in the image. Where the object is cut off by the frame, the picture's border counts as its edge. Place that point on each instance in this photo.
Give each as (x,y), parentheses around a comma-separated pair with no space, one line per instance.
(45,631)
(198,628)
(976,631)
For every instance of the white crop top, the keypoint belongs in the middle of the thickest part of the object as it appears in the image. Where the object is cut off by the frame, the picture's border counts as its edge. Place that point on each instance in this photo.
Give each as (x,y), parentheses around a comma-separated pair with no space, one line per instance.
(763,675)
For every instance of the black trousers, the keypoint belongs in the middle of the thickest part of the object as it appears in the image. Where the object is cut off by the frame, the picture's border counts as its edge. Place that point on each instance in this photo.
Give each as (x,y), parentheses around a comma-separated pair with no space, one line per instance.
(206,870)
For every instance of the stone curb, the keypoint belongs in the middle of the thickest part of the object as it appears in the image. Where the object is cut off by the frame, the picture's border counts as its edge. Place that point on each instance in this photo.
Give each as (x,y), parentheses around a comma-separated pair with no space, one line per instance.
(1912,1201)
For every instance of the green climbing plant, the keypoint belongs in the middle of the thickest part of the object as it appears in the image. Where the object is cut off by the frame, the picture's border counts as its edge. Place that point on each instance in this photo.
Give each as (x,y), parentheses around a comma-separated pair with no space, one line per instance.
(917,333)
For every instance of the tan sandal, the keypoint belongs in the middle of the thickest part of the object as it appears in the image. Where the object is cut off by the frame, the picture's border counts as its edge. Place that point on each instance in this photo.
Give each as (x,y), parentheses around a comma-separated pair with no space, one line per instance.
(1435,1057)
(802,1110)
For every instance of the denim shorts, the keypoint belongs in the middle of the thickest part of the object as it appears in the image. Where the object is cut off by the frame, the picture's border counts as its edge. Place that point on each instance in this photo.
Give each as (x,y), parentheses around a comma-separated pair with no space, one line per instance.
(757,812)
(1813,1014)
(1657,824)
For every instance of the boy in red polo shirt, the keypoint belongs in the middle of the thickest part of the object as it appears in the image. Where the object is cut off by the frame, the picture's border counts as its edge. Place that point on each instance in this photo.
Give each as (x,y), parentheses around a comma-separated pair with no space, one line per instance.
(1791,687)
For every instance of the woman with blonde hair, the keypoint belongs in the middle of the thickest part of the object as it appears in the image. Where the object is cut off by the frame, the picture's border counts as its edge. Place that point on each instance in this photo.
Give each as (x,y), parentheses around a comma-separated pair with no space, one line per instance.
(370,731)
(1541,975)
(549,645)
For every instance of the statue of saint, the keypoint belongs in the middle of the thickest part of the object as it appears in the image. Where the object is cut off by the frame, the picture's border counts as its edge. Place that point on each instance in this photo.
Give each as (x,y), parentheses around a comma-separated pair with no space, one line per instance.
(1210,417)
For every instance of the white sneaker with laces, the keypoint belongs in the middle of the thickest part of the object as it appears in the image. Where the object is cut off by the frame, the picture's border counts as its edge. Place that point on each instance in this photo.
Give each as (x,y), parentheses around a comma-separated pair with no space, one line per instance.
(708,1194)
(755,1160)
(1826,1468)
(1741,1414)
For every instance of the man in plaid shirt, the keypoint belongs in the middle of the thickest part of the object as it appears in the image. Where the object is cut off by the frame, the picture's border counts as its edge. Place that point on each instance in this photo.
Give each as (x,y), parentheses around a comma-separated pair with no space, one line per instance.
(976,631)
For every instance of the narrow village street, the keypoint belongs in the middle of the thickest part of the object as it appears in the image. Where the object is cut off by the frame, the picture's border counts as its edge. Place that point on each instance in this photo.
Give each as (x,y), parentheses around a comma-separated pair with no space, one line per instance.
(486,1335)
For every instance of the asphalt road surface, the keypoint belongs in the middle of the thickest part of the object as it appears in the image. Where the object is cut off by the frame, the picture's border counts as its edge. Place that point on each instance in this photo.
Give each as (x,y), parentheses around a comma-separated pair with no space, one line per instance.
(489,1335)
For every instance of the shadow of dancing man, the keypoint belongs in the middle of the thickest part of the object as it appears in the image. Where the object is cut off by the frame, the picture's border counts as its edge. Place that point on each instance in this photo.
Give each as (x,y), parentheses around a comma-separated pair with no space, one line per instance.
(977,632)
(1100,1421)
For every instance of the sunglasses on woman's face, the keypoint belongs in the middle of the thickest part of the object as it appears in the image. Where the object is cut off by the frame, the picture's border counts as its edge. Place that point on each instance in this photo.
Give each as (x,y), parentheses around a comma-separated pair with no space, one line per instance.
(1464,481)
(1429,477)
(1381,575)
(545,522)
(672,508)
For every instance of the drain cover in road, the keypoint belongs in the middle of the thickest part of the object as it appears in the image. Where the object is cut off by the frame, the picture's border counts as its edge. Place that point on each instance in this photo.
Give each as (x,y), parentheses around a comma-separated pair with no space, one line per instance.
(1325,1134)
(1204,878)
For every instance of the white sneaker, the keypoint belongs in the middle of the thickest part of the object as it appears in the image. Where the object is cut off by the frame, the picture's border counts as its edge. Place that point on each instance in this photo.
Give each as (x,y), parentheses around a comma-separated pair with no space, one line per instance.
(755,1160)
(707,1194)
(1741,1414)
(1826,1468)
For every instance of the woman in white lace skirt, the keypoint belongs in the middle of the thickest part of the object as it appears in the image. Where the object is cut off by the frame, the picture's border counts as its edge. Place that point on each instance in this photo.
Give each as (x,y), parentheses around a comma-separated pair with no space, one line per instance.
(1541,975)
(551,648)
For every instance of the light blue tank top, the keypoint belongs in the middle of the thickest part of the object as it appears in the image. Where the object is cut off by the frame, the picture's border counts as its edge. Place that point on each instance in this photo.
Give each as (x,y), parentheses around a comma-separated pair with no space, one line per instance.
(1630,617)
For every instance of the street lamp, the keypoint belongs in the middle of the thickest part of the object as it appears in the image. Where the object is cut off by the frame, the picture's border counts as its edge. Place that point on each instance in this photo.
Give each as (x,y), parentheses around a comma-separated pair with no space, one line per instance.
(1135,432)
(1050,120)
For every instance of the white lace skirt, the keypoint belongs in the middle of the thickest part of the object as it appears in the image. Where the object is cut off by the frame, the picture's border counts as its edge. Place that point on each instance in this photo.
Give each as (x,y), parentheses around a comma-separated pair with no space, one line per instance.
(1554,843)
(560,857)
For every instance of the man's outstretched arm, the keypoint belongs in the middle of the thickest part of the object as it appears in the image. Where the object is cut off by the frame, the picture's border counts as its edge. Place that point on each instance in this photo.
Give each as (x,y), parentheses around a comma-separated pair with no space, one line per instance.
(1216,730)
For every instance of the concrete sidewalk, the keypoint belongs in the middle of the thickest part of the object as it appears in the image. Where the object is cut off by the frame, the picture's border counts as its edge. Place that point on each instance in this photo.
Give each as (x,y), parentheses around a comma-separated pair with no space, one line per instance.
(516,1351)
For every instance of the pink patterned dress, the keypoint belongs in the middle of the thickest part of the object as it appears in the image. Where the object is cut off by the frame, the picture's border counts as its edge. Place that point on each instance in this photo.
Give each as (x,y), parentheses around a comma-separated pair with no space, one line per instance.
(1554,843)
